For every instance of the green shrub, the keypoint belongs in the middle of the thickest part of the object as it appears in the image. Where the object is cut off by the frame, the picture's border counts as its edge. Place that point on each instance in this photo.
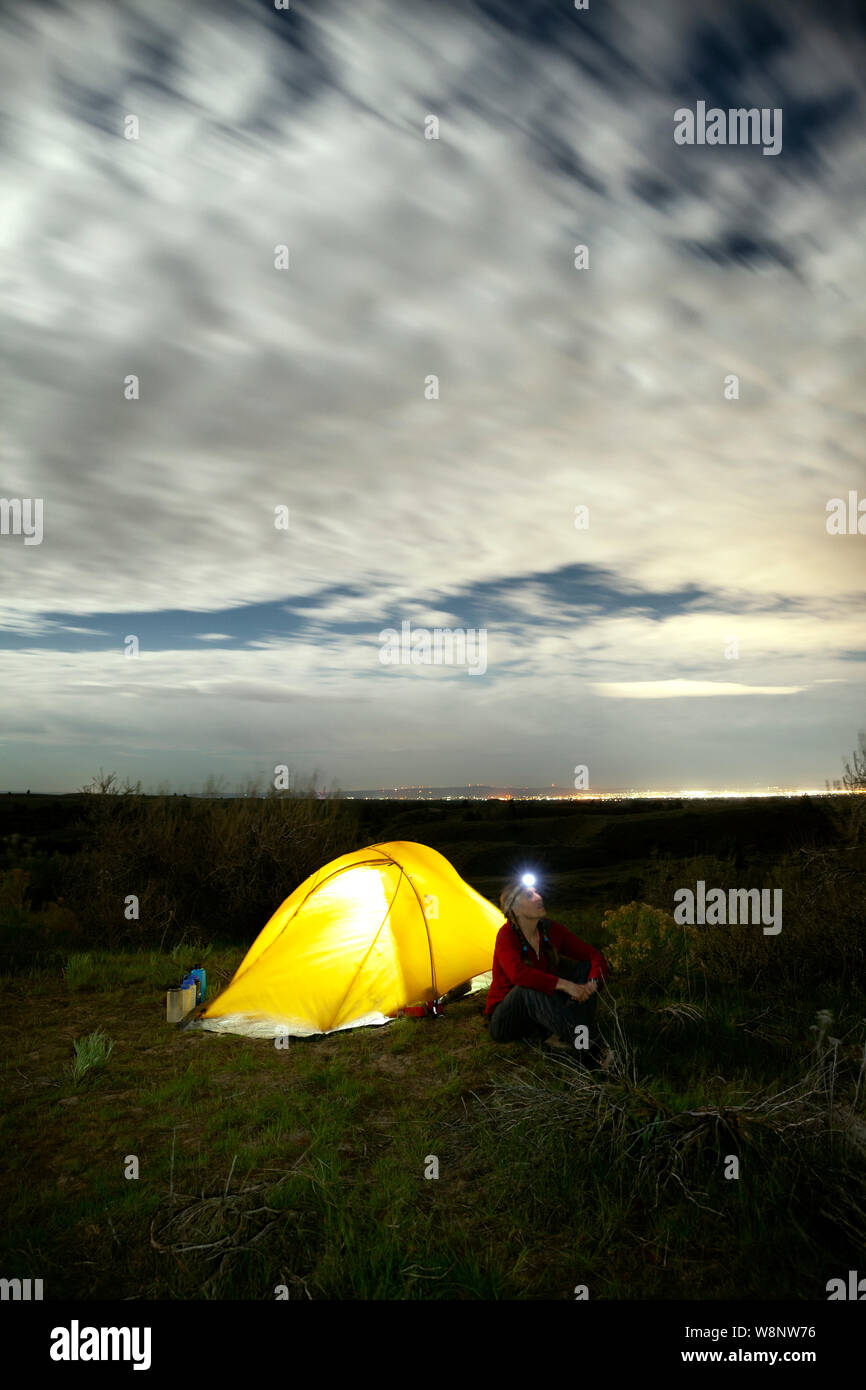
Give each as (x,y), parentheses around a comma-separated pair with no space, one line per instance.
(199,865)
(13,894)
(646,941)
(25,933)
(823,883)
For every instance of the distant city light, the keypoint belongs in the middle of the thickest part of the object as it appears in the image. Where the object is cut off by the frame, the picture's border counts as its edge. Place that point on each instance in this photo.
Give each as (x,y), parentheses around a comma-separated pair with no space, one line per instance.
(623,794)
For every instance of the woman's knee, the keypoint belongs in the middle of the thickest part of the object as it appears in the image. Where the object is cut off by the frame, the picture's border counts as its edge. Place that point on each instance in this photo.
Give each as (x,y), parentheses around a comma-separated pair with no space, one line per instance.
(509,1024)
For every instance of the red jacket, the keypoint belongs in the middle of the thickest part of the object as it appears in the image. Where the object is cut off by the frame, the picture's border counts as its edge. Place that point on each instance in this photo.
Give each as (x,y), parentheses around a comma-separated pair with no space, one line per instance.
(510,968)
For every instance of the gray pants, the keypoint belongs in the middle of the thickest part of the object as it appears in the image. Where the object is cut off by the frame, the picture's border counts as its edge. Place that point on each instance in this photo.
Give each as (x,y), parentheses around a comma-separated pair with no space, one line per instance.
(527,1013)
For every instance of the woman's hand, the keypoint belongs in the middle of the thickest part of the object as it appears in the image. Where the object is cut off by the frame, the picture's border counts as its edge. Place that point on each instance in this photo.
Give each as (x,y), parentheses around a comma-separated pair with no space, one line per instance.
(579,992)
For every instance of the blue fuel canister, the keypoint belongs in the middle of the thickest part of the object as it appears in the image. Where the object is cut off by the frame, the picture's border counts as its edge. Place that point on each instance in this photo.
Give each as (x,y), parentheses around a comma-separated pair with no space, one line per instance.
(198,974)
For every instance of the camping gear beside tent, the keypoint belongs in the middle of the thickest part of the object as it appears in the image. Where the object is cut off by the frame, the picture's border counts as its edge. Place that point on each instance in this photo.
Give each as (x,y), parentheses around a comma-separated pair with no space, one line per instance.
(198,973)
(434,1008)
(179,1002)
(369,934)
(173,1005)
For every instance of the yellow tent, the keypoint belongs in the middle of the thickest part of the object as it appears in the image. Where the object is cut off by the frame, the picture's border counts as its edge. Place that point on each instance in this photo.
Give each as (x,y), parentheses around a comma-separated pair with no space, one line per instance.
(369,933)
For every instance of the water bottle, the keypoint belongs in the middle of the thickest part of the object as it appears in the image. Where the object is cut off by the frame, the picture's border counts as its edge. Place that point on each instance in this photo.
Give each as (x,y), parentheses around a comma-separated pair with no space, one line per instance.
(190,990)
(174,1010)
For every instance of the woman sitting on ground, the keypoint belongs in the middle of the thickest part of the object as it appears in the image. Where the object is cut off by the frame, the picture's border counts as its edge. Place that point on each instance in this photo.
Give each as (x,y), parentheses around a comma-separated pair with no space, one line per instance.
(545,979)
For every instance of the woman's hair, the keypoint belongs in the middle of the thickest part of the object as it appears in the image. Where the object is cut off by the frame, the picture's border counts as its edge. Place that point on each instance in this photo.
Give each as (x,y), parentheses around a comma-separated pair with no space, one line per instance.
(509,899)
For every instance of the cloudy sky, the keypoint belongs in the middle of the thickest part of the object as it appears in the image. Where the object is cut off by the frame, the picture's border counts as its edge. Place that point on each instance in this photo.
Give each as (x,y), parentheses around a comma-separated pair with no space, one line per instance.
(431,388)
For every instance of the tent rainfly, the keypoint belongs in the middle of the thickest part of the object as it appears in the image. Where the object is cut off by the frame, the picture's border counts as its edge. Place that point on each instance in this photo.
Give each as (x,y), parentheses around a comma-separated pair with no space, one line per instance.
(367,935)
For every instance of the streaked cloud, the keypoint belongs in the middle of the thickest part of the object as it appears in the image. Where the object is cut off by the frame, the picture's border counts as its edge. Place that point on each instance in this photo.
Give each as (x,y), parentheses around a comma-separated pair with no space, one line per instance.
(410,257)
(677,690)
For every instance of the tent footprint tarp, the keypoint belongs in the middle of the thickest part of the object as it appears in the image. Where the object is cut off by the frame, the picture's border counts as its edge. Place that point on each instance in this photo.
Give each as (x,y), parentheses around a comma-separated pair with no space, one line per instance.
(368,934)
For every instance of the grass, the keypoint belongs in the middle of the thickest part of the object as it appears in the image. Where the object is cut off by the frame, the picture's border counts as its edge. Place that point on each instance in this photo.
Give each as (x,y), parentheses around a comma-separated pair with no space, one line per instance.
(103,970)
(302,1170)
(91,1053)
